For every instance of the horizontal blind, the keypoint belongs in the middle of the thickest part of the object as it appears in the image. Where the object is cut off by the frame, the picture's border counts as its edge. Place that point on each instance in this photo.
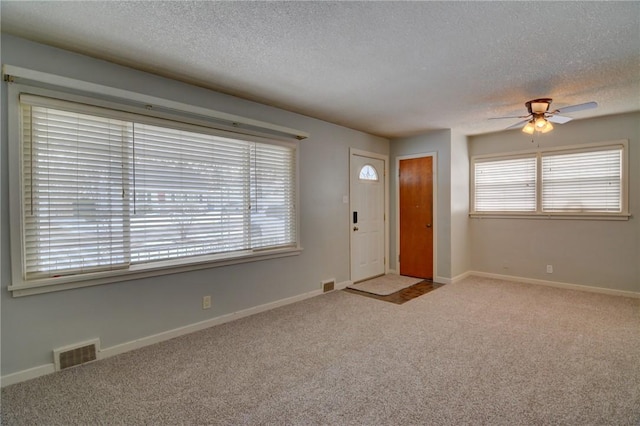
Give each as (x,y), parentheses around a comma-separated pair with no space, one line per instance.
(191,194)
(104,191)
(507,185)
(74,213)
(273,215)
(582,181)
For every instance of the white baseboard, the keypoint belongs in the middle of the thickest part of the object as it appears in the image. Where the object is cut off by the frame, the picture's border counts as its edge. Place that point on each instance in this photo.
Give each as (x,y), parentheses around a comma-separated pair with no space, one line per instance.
(28,374)
(556,284)
(45,369)
(460,277)
(442,280)
(343,285)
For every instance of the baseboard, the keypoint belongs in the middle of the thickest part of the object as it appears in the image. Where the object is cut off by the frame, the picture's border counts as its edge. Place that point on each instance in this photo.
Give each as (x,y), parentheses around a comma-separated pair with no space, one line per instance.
(460,277)
(343,285)
(28,374)
(442,280)
(557,284)
(45,369)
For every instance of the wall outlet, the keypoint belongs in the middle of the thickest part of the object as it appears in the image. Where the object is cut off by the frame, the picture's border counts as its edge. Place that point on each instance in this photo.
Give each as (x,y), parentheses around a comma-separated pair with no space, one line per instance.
(549,269)
(206,302)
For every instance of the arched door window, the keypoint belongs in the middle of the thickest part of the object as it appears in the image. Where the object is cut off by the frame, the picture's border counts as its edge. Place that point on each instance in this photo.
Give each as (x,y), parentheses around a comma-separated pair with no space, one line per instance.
(368,172)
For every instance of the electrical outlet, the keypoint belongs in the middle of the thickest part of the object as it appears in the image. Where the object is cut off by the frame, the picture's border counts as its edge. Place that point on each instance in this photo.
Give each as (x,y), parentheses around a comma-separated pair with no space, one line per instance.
(549,269)
(206,302)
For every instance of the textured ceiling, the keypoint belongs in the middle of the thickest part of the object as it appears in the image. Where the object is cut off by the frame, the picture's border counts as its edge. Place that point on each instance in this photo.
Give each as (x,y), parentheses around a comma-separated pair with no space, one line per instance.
(386,68)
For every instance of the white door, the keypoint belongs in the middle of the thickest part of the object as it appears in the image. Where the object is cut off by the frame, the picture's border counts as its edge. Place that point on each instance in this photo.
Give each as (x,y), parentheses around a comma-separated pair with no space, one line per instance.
(367,217)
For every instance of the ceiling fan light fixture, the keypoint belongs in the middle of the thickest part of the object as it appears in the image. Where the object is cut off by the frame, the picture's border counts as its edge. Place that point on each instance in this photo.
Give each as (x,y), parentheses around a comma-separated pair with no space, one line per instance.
(547,128)
(540,107)
(529,128)
(541,123)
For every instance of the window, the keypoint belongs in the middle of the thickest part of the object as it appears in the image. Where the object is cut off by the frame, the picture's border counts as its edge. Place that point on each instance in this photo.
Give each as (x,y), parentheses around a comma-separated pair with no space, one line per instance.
(368,172)
(506,185)
(105,192)
(581,181)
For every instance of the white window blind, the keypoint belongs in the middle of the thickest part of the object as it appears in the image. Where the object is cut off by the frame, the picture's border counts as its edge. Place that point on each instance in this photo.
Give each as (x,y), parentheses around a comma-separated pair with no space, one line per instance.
(75,216)
(507,185)
(103,193)
(191,194)
(582,181)
(273,215)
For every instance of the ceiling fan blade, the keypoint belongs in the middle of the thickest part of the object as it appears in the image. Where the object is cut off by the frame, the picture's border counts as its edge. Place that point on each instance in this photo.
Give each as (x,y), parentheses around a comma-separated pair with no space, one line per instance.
(509,116)
(579,107)
(560,119)
(518,124)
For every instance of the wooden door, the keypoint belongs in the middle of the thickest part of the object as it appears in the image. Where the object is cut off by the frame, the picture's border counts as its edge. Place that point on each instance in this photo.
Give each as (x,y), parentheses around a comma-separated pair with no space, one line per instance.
(416,217)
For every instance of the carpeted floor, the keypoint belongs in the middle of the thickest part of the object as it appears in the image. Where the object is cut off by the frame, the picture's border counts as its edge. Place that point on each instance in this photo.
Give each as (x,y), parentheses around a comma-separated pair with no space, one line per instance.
(479,351)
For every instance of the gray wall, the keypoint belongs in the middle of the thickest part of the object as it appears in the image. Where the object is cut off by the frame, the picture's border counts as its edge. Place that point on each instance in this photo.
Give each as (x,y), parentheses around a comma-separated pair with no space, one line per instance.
(438,141)
(586,252)
(460,244)
(122,312)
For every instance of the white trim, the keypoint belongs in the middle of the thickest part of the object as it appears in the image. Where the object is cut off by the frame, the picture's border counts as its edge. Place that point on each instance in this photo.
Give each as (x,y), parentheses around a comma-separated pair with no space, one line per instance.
(45,369)
(343,285)
(385,160)
(434,155)
(28,374)
(557,284)
(460,277)
(17,74)
(48,285)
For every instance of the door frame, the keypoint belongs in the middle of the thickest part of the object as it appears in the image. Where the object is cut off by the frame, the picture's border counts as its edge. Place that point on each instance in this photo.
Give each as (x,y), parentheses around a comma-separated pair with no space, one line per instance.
(385,159)
(434,171)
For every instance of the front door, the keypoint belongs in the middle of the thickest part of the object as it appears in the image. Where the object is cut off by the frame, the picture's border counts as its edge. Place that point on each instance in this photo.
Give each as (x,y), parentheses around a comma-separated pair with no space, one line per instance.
(367,217)
(416,217)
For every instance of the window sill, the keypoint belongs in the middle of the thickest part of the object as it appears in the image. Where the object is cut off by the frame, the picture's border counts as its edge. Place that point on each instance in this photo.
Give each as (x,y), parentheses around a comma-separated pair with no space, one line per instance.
(553,216)
(48,285)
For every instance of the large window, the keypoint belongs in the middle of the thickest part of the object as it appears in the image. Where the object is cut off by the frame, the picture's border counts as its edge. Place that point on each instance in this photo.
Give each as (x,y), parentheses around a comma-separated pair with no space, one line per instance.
(583,181)
(105,192)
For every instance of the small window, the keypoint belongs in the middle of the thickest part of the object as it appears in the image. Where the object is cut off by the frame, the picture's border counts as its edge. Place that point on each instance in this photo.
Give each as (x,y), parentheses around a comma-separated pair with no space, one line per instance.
(506,185)
(368,172)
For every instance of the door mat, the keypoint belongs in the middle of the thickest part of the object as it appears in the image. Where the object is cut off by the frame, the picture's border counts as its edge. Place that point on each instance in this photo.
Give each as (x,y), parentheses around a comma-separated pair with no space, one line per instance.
(385,284)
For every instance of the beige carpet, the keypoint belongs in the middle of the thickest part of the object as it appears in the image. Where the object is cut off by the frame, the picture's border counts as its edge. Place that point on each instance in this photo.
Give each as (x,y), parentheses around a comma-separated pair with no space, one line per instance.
(386,284)
(477,352)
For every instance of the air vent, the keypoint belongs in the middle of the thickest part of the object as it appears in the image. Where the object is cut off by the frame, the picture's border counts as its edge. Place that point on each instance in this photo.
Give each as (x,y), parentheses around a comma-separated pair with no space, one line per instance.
(328,285)
(78,354)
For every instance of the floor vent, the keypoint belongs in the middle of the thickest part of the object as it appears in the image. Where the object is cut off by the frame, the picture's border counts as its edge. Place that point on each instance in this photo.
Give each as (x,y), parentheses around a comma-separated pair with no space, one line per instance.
(328,285)
(73,355)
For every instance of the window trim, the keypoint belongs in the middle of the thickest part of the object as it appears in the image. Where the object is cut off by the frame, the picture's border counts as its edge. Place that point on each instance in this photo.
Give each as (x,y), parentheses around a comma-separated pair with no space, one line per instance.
(538,153)
(21,287)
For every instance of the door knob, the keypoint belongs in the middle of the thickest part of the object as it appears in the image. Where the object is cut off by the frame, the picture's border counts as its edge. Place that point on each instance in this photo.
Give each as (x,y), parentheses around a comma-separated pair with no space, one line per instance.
(428,225)
(355,228)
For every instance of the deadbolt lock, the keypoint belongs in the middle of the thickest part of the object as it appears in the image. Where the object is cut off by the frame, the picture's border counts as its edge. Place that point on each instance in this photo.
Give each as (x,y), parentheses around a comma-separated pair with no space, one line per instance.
(355,228)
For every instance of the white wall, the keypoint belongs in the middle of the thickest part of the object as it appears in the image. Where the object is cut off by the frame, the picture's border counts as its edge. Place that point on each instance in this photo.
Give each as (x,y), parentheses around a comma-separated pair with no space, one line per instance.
(439,142)
(603,254)
(122,312)
(460,242)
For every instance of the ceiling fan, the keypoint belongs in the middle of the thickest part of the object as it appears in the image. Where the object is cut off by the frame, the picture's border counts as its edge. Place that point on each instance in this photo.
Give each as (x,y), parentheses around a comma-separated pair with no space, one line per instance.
(540,118)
